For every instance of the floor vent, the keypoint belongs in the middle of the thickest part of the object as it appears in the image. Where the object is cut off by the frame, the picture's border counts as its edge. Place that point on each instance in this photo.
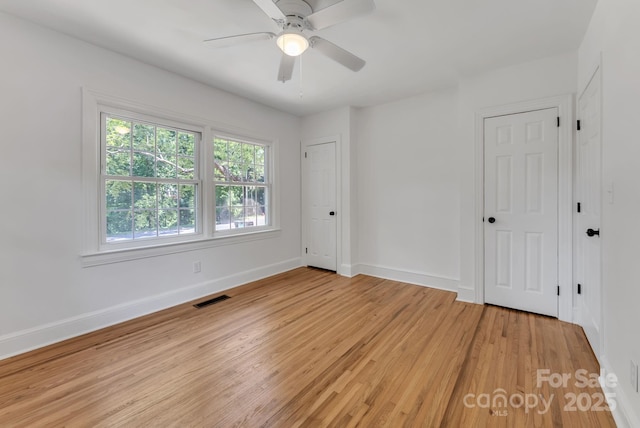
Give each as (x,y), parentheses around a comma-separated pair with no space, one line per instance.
(211,301)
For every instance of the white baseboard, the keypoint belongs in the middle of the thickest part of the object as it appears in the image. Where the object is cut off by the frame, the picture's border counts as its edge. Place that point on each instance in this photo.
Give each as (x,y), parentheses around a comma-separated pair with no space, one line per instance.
(346,270)
(410,277)
(37,337)
(624,414)
(467,295)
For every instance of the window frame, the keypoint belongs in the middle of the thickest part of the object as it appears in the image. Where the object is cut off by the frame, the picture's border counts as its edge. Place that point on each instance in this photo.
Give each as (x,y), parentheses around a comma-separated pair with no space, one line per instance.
(267,184)
(197,180)
(95,250)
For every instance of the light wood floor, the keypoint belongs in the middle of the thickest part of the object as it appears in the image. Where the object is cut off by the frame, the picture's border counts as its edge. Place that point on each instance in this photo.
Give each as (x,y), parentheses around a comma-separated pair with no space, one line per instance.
(309,348)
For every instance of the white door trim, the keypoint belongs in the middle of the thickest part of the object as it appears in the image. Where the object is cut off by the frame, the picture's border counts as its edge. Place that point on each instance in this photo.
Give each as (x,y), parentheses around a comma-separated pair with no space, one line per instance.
(565,106)
(598,348)
(303,197)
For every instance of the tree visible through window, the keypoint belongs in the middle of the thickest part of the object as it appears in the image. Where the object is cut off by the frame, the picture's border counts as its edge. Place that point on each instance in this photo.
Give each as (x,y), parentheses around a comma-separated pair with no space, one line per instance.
(241,184)
(150,179)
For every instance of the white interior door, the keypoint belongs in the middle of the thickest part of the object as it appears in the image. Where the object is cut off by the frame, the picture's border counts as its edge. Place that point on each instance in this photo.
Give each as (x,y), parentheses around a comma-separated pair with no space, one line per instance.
(321,249)
(588,195)
(521,211)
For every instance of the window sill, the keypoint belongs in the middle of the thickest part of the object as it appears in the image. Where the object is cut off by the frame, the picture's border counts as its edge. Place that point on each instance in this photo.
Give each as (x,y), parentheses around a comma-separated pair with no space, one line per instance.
(124,255)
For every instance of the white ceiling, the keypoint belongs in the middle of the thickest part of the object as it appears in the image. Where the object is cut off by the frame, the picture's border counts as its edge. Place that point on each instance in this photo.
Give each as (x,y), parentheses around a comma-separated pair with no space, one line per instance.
(411,46)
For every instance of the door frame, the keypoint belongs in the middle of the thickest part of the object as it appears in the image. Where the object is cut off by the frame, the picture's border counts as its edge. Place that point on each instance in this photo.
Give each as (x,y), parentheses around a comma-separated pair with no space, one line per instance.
(596,72)
(566,135)
(304,201)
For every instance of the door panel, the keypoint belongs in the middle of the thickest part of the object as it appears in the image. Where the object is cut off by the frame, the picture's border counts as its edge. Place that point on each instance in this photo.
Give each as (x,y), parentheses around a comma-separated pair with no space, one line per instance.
(521,194)
(588,191)
(321,249)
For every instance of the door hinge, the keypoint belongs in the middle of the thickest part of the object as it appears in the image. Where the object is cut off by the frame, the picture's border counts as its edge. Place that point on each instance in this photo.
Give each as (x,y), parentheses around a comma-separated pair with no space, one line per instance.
(558,290)
(578,125)
(579,207)
(558,121)
(579,288)
(306,251)
(305,155)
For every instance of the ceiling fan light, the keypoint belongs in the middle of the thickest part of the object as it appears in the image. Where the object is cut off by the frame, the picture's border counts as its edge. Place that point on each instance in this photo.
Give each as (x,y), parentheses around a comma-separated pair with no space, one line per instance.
(292,43)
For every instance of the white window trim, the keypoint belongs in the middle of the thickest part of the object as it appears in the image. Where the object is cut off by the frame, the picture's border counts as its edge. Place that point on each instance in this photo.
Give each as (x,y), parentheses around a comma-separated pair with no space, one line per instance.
(269,183)
(94,252)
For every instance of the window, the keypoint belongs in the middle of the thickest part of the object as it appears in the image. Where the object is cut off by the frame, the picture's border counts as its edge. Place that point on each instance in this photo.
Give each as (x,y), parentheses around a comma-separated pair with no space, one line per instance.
(150,180)
(158,182)
(242,184)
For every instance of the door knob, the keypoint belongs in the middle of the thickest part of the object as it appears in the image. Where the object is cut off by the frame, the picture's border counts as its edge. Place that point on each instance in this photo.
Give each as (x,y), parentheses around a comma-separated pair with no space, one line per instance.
(492,220)
(332,213)
(591,232)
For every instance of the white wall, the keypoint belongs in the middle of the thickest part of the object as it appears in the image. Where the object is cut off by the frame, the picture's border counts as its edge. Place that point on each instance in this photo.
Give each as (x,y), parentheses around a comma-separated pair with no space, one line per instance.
(408,190)
(539,79)
(614,34)
(45,294)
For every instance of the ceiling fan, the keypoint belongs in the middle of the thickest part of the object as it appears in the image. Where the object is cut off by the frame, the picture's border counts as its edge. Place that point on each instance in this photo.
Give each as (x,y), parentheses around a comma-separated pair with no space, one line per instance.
(294,17)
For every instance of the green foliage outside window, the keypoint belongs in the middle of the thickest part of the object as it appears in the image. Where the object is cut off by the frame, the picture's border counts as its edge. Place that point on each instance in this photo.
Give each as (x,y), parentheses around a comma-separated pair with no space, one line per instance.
(148,171)
(241,188)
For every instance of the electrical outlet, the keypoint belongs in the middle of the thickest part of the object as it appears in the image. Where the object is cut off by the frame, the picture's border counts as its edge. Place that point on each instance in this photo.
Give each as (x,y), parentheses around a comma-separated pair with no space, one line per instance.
(196,267)
(634,375)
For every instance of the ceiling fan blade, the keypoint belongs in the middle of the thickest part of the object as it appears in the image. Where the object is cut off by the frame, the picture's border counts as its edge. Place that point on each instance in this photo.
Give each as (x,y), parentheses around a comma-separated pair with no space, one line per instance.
(270,8)
(339,12)
(239,39)
(337,54)
(286,67)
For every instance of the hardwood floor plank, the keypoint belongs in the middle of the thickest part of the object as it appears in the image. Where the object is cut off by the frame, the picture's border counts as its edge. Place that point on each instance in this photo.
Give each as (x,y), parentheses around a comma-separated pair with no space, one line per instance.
(307,348)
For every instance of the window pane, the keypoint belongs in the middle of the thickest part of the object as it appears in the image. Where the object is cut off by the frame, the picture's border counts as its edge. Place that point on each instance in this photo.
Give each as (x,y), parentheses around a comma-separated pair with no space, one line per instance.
(188,196)
(263,219)
(220,153)
(118,162)
(236,194)
(259,174)
(145,224)
(118,133)
(145,196)
(167,196)
(234,172)
(154,202)
(261,200)
(118,194)
(186,168)
(143,165)
(186,144)
(166,168)
(187,221)
(166,153)
(248,153)
(250,216)
(260,155)
(166,142)
(235,152)
(222,196)
(220,172)
(222,218)
(237,215)
(168,222)
(144,138)
(119,225)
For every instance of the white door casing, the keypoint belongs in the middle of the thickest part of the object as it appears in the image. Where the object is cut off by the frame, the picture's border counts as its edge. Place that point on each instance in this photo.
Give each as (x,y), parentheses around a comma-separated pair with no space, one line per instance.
(588,188)
(320,199)
(521,194)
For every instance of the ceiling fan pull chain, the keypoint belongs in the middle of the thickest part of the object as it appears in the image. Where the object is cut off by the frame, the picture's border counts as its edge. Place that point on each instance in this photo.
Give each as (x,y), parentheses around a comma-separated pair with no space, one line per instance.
(300,77)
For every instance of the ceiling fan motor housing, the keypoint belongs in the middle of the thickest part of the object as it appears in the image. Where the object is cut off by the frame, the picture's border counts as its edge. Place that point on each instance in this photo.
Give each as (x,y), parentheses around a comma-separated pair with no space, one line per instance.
(295,11)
